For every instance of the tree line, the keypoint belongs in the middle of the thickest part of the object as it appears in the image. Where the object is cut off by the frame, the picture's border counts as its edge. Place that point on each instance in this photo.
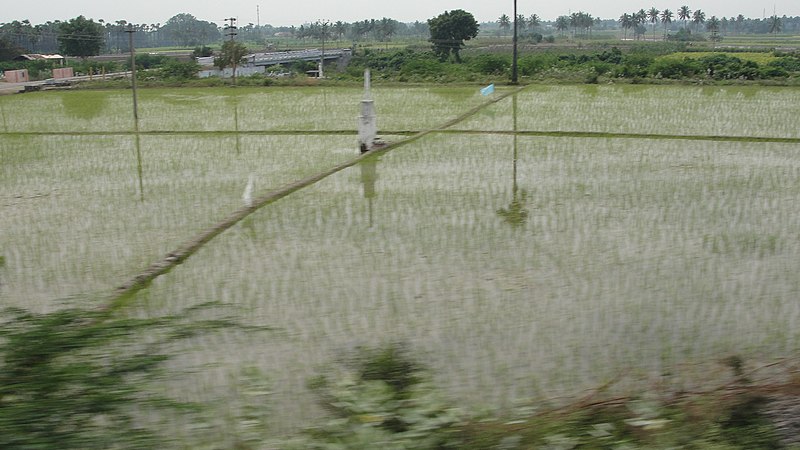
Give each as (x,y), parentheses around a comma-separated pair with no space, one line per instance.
(581,24)
(181,30)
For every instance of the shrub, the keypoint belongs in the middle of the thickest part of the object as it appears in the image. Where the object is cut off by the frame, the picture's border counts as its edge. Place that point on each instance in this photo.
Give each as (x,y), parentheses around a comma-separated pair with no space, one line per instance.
(489,64)
(173,68)
(726,67)
(202,52)
(382,396)
(675,68)
(533,64)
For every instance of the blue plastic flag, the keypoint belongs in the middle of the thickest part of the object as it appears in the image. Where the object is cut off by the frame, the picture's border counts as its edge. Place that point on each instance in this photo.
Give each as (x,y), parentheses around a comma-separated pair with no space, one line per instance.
(488,90)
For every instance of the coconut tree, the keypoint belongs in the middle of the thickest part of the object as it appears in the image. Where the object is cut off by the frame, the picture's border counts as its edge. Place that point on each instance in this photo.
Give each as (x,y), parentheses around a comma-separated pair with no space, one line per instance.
(626,22)
(639,18)
(562,24)
(775,24)
(739,22)
(522,22)
(652,15)
(713,26)
(666,19)
(505,23)
(698,18)
(684,13)
(534,21)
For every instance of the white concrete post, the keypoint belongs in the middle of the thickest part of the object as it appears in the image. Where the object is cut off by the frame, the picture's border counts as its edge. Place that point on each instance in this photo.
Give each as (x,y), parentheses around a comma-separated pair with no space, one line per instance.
(367,121)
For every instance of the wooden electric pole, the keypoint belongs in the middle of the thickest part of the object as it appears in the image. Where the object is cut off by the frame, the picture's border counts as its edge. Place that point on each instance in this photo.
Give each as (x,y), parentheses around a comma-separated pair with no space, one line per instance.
(514,70)
(130,32)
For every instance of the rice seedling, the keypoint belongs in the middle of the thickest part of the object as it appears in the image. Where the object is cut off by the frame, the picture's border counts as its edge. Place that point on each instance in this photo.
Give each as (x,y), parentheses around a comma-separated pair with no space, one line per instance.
(633,254)
(615,268)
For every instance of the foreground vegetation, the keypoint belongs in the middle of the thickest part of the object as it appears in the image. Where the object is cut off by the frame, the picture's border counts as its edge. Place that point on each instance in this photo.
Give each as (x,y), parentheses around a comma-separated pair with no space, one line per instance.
(75,389)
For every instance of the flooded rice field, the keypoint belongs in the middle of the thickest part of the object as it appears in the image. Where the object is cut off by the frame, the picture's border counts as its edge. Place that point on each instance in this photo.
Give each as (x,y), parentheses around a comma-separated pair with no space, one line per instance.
(517,266)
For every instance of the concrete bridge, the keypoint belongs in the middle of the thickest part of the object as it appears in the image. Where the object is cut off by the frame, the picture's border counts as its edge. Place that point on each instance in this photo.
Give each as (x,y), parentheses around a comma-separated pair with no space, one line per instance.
(273,58)
(258,62)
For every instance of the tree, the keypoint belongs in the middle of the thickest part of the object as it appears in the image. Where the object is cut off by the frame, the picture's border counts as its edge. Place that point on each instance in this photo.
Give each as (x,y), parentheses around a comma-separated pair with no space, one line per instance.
(626,22)
(713,27)
(80,37)
(775,24)
(698,18)
(231,54)
(522,22)
(562,24)
(739,22)
(653,16)
(505,23)
(8,51)
(187,31)
(666,19)
(386,29)
(684,13)
(534,21)
(339,29)
(449,30)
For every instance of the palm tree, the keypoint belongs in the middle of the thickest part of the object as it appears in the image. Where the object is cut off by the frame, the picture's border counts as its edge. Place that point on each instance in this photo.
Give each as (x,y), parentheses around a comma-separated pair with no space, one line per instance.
(573,22)
(684,13)
(639,18)
(522,22)
(562,24)
(339,29)
(666,19)
(626,21)
(653,16)
(534,21)
(775,24)
(698,18)
(713,27)
(505,23)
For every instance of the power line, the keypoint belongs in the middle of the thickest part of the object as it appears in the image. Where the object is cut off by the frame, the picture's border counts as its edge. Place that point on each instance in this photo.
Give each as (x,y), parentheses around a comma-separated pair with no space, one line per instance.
(230,29)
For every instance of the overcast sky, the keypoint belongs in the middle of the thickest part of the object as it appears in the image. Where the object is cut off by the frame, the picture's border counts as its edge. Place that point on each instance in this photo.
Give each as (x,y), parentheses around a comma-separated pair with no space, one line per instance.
(297,12)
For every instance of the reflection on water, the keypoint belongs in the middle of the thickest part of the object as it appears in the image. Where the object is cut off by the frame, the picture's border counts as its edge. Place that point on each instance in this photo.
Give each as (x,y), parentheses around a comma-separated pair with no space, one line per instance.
(137,141)
(515,214)
(369,174)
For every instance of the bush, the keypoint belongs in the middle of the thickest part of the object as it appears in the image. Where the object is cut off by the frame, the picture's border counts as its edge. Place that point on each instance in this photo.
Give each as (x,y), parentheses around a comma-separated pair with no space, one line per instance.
(787,63)
(148,61)
(489,64)
(533,64)
(675,68)
(202,52)
(726,67)
(383,396)
(173,68)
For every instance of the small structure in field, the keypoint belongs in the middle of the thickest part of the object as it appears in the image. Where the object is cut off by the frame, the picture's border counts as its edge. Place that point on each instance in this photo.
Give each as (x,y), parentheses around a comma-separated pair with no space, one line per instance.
(17,76)
(367,121)
(64,72)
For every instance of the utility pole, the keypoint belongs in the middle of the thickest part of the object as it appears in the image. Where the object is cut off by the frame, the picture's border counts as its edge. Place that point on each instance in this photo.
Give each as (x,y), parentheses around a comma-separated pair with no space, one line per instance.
(514,70)
(323,24)
(130,32)
(230,31)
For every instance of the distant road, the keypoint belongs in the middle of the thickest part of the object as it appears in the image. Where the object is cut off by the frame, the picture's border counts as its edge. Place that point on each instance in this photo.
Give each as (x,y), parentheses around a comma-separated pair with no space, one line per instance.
(15,88)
